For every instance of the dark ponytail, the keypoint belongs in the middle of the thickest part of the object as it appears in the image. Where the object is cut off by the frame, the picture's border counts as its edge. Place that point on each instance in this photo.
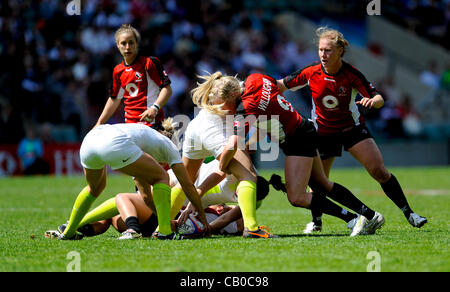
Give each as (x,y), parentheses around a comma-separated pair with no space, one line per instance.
(277,183)
(262,186)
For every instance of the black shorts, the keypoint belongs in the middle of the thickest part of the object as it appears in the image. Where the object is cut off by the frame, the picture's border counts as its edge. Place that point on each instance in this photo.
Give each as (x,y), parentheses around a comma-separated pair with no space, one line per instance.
(331,145)
(303,142)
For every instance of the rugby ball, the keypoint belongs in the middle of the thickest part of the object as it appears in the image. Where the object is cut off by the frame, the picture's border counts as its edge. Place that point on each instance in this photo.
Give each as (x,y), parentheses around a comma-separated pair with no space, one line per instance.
(192,226)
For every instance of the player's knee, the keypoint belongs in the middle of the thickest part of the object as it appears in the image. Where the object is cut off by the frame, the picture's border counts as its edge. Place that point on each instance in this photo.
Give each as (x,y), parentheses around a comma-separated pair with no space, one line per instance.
(297,198)
(162,178)
(120,198)
(292,201)
(379,173)
(97,190)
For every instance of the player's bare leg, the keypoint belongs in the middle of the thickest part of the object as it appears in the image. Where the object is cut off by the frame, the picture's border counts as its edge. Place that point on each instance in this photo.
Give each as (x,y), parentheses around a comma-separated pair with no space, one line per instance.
(369,155)
(147,173)
(96,180)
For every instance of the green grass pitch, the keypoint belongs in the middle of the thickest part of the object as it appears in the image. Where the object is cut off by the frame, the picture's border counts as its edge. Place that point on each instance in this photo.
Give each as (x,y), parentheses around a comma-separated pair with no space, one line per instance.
(31,205)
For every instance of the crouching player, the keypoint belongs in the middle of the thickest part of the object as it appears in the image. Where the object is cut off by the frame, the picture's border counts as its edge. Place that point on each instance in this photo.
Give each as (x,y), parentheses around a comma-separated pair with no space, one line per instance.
(223,219)
(135,150)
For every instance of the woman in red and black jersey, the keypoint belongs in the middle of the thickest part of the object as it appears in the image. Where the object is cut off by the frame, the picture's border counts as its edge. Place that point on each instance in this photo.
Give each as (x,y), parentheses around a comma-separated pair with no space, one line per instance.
(140,81)
(334,86)
(260,98)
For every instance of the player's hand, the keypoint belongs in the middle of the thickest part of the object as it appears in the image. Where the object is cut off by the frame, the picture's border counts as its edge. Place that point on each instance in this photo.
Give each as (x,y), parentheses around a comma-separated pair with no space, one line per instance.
(148,115)
(374,102)
(366,102)
(185,214)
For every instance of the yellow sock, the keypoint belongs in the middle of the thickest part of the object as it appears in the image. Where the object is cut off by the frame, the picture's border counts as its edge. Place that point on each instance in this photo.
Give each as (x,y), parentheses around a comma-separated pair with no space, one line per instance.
(213,190)
(161,198)
(177,198)
(105,210)
(246,193)
(80,208)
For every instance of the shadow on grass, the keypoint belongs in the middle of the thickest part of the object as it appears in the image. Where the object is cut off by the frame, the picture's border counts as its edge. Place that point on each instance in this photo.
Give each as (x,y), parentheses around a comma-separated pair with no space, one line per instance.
(215,237)
(279,236)
(312,235)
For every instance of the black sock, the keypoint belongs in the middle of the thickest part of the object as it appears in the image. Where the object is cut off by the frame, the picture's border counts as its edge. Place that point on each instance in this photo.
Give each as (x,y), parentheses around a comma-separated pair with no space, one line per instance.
(343,196)
(394,191)
(321,204)
(133,223)
(316,217)
(349,216)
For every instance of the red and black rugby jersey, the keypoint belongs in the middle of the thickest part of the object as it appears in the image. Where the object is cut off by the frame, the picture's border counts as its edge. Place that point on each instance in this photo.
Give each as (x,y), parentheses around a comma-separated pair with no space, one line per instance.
(334,107)
(139,84)
(261,96)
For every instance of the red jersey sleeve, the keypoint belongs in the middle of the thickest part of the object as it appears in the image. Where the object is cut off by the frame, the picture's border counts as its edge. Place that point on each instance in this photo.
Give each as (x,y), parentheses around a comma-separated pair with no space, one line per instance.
(239,119)
(360,83)
(299,78)
(156,72)
(116,90)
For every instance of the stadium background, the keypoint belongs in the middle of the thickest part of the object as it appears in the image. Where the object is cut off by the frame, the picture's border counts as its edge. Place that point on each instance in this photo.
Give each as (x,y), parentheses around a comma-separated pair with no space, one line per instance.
(56,68)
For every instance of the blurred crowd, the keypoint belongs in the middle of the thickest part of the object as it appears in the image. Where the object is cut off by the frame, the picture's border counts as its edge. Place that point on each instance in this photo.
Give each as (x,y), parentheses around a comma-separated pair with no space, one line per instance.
(56,68)
(427,18)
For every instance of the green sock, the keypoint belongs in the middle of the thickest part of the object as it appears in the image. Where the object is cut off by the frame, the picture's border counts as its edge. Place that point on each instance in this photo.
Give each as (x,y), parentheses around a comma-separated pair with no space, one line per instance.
(80,208)
(105,210)
(213,190)
(246,193)
(161,198)
(177,198)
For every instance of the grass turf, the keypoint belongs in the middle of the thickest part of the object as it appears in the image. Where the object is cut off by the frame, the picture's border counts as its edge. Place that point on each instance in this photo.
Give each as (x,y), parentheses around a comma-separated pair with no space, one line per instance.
(31,205)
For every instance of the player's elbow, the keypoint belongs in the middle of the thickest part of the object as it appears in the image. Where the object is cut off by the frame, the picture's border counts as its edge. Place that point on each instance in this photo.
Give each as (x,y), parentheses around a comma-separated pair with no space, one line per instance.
(281,86)
(232,142)
(168,89)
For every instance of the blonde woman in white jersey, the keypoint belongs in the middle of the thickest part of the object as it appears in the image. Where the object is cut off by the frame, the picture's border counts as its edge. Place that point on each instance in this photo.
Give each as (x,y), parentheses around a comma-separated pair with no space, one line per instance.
(136,150)
(206,135)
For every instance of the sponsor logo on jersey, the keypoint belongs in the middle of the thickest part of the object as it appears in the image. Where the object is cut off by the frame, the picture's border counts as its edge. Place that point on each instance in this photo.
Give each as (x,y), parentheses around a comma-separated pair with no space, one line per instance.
(342,91)
(265,94)
(286,105)
(138,76)
(330,102)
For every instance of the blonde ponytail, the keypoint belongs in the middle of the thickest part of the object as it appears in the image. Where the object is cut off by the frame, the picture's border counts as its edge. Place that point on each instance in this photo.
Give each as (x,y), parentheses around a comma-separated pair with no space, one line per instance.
(166,127)
(217,89)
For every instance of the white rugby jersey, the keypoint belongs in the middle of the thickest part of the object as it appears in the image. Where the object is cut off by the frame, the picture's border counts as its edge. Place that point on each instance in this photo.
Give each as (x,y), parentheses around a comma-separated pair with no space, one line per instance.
(206,135)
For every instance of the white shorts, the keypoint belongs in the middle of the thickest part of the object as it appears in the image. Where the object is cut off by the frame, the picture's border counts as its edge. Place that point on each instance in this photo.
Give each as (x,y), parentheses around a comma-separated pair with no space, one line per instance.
(108,145)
